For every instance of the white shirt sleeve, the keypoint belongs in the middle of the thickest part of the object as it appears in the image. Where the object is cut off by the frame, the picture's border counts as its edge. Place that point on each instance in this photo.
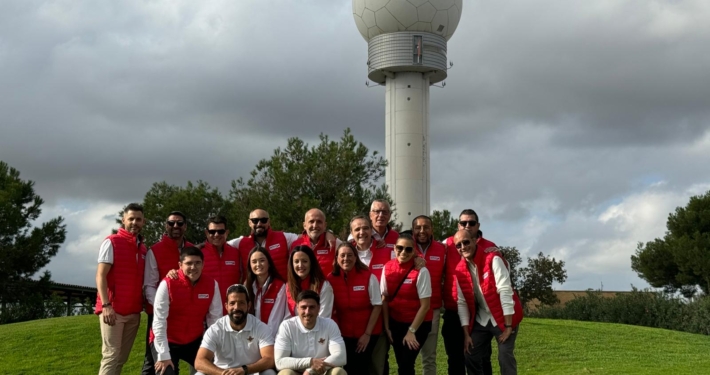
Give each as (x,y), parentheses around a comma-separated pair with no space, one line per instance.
(336,346)
(160,321)
(505,289)
(106,252)
(383,283)
(280,311)
(424,283)
(215,311)
(282,350)
(151,278)
(326,300)
(290,238)
(464,314)
(263,334)
(235,242)
(375,293)
(210,340)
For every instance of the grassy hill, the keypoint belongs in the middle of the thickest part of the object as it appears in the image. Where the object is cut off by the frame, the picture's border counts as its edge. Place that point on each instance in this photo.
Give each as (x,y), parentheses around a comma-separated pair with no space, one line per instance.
(73,346)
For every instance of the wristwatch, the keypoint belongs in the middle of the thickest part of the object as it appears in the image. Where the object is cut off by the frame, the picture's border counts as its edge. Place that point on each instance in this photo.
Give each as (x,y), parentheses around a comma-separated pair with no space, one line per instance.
(106,304)
(412,329)
(244,367)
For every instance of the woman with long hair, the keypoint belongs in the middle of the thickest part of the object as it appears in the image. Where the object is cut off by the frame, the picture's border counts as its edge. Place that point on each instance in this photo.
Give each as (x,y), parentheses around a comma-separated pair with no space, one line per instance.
(358,303)
(406,295)
(268,290)
(304,273)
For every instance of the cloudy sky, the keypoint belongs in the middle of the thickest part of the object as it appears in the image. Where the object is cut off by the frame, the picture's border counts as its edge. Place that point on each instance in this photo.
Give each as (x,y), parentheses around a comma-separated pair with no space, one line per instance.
(572,127)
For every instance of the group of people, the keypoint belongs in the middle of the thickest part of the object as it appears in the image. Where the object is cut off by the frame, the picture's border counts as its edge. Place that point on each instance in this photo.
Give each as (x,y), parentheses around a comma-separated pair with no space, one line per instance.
(306,303)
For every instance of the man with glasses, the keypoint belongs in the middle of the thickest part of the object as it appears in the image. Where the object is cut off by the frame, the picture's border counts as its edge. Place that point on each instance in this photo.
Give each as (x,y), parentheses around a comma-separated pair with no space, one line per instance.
(222,261)
(451,328)
(160,259)
(380,214)
(488,307)
(237,344)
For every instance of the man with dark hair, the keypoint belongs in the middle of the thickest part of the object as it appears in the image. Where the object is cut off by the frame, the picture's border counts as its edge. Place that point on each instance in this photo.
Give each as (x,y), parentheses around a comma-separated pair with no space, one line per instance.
(307,343)
(222,261)
(182,306)
(161,258)
(119,282)
(237,344)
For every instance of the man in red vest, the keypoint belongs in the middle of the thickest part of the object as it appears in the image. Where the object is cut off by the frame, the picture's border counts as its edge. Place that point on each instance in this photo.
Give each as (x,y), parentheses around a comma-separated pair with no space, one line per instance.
(182,306)
(222,261)
(488,307)
(380,214)
(451,328)
(319,239)
(161,258)
(434,253)
(119,281)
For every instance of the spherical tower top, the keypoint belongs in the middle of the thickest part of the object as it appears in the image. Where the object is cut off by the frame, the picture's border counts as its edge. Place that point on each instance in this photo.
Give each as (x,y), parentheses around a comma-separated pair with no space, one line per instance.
(374,17)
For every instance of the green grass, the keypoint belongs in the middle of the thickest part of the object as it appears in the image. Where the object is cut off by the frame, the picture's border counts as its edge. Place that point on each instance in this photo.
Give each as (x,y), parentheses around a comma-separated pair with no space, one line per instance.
(73,346)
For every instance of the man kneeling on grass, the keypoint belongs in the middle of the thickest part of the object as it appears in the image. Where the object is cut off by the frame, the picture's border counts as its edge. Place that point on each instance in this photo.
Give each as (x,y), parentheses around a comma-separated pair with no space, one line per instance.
(239,343)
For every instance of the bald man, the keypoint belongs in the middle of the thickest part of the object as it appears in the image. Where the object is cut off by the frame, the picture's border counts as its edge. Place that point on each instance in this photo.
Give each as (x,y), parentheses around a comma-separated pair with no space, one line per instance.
(315,236)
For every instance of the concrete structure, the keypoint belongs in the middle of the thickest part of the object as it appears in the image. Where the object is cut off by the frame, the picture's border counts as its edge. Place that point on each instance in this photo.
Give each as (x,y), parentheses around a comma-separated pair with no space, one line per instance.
(407,53)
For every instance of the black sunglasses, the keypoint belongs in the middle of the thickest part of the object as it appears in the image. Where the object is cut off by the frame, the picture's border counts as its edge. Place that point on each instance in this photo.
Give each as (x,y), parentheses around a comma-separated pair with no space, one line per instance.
(213,231)
(408,249)
(463,243)
(257,220)
(172,223)
(471,223)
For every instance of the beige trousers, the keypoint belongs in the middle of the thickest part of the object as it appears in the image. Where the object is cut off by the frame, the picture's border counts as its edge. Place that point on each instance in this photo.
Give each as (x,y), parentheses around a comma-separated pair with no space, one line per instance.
(428,352)
(333,371)
(116,342)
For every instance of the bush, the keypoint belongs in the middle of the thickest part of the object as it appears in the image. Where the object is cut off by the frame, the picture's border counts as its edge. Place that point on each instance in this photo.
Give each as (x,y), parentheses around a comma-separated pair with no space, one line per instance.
(641,308)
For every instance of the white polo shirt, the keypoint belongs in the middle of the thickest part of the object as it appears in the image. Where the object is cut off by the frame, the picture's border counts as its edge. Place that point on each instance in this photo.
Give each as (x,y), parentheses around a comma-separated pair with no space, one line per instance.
(237,348)
(295,345)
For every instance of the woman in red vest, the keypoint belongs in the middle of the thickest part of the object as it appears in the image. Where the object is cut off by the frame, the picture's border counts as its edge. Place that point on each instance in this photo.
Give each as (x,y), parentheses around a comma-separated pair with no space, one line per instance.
(268,290)
(304,272)
(358,303)
(406,295)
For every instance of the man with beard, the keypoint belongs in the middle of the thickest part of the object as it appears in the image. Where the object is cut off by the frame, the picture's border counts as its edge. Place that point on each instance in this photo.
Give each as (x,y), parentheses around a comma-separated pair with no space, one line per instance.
(161,258)
(315,236)
(237,344)
(434,253)
(222,262)
(119,282)
(309,344)
(182,306)
(488,307)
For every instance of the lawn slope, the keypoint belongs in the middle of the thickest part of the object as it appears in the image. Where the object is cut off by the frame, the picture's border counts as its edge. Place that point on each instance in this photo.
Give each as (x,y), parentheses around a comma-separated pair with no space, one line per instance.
(73,346)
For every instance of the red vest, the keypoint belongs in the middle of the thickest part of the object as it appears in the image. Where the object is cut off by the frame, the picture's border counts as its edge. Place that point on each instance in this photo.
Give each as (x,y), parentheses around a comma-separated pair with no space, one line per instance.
(324,253)
(224,269)
(305,284)
(435,262)
(189,305)
(277,246)
(125,278)
(352,303)
(452,260)
(268,299)
(489,289)
(390,238)
(380,257)
(167,257)
(406,303)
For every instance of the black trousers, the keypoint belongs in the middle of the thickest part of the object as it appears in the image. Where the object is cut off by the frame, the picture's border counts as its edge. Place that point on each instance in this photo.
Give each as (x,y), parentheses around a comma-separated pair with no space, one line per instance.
(405,356)
(478,362)
(186,352)
(359,363)
(453,342)
(148,363)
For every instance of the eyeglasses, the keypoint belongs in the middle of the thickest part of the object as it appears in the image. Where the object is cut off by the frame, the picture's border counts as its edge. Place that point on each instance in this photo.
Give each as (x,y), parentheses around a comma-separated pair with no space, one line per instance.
(408,249)
(216,231)
(258,220)
(380,212)
(463,244)
(172,223)
(471,223)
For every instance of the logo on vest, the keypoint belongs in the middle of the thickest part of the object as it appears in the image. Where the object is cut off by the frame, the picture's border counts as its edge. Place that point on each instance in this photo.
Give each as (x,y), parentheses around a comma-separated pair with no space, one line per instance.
(203,296)
(378,266)
(322,252)
(274,246)
(485,275)
(269,300)
(358,288)
(434,258)
(408,281)
(390,245)
(229,262)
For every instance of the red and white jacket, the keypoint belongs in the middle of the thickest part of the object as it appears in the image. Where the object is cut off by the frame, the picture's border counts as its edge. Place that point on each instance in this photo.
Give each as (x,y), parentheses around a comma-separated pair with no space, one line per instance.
(405,305)
(324,252)
(125,278)
(225,268)
(353,305)
(449,294)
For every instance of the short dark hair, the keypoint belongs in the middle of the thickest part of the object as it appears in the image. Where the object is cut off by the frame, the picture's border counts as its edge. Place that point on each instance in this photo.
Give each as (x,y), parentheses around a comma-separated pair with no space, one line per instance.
(421,217)
(238,288)
(308,294)
(191,251)
(178,213)
(133,207)
(469,212)
(359,217)
(217,219)
(406,234)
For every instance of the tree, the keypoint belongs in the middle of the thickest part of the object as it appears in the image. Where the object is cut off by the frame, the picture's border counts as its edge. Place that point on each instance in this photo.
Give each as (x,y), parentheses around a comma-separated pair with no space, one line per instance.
(443,224)
(512,256)
(197,201)
(25,248)
(681,260)
(339,177)
(537,277)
